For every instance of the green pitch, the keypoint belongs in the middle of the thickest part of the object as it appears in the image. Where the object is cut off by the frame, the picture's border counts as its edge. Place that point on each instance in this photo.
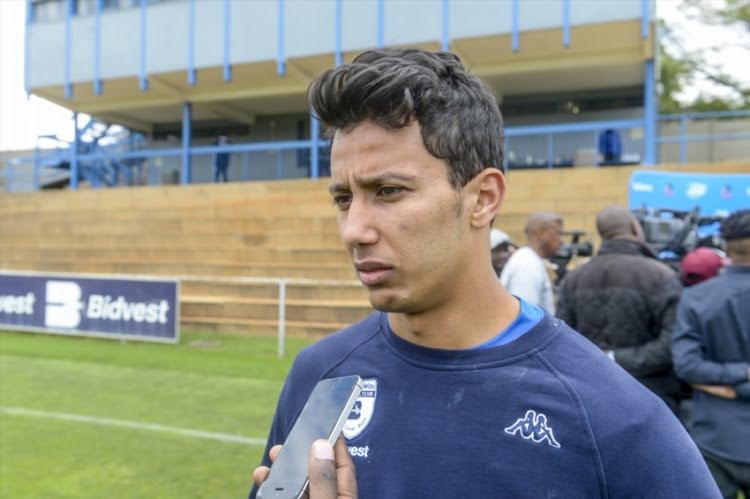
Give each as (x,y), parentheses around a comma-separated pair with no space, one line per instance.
(96,418)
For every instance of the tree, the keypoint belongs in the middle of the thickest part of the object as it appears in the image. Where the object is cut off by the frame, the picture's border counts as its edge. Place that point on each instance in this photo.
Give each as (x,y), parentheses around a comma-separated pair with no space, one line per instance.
(681,69)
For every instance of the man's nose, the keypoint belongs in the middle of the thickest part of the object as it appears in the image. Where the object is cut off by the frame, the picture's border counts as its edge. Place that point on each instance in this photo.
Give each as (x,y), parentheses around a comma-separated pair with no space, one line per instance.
(357,225)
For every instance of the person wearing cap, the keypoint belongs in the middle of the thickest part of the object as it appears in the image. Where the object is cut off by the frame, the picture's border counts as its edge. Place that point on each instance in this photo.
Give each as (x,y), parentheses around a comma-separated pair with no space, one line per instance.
(700,264)
(502,247)
(711,351)
(624,301)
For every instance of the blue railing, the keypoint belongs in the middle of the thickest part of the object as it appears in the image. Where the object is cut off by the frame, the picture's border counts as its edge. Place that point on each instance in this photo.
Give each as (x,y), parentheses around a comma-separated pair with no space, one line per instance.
(536,146)
(683,139)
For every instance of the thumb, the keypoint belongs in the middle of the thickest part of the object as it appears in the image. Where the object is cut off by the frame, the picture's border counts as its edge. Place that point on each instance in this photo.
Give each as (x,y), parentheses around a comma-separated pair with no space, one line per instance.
(322,471)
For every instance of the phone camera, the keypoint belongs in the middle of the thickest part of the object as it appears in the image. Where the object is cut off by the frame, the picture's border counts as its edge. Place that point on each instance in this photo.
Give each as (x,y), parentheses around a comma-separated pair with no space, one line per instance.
(335,384)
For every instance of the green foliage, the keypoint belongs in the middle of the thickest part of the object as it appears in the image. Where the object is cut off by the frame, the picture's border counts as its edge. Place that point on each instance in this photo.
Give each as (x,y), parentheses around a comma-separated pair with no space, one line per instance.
(680,68)
(733,12)
(207,382)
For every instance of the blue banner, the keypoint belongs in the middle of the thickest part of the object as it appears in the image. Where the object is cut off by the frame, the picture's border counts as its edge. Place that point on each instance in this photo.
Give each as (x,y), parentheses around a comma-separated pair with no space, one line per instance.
(145,309)
(715,194)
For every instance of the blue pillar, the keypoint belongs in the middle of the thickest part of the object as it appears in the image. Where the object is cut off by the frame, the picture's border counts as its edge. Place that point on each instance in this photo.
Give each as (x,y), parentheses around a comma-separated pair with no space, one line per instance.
(97,47)
(69,11)
(566,23)
(143,79)
(74,154)
(506,166)
(314,147)
(36,167)
(280,58)
(339,14)
(26,44)
(446,26)
(515,15)
(683,139)
(649,105)
(187,140)
(381,24)
(550,151)
(227,39)
(191,43)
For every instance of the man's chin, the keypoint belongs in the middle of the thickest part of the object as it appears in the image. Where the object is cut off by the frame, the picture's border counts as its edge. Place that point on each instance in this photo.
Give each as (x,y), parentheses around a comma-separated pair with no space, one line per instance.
(383,302)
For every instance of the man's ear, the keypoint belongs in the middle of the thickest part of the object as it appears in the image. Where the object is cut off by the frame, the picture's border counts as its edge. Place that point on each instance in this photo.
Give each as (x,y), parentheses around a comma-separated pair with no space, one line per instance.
(489,189)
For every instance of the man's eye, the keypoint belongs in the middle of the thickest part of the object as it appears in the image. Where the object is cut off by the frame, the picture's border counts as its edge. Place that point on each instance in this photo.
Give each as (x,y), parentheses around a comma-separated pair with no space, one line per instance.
(342,200)
(389,190)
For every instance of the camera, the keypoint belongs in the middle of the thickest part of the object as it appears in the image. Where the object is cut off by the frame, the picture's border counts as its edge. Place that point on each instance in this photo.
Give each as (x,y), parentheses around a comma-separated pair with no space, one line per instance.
(671,234)
(570,251)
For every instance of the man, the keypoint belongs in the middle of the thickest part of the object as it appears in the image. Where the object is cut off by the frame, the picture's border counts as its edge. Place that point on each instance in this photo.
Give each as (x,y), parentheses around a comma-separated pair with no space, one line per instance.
(624,301)
(221,161)
(711,350)
(700,264)
(525,275)
(467,390)
(502,247)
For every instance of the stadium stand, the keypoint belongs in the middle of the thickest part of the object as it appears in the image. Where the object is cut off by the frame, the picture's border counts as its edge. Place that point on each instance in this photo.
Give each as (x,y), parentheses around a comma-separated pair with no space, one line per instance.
(230,244)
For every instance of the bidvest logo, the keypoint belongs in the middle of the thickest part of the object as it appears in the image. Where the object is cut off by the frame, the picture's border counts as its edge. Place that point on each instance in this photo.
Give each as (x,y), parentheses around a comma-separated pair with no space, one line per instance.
(64,304)
(65,307)
(19,305)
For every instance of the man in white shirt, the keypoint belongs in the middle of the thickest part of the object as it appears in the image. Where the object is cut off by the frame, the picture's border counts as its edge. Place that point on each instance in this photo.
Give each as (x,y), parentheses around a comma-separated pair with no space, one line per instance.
(525,275)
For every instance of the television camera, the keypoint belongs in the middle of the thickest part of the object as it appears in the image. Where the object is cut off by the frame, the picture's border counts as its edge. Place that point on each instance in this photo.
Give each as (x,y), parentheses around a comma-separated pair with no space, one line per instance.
(671,234)
(570,252)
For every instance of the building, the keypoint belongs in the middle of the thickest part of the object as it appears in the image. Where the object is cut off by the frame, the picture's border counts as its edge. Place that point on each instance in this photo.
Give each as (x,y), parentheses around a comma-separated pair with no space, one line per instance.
(175,73)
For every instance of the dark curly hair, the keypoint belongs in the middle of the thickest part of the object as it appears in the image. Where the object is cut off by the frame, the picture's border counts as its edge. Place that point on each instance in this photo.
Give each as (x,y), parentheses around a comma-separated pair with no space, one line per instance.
(459,117)
(736,225)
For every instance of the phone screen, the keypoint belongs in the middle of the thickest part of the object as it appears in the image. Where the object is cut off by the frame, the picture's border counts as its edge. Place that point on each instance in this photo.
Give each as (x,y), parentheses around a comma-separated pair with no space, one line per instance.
(323,416)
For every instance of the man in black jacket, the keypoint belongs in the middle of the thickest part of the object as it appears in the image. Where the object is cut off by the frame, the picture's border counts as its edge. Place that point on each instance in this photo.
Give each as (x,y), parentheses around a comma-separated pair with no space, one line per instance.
(624,301)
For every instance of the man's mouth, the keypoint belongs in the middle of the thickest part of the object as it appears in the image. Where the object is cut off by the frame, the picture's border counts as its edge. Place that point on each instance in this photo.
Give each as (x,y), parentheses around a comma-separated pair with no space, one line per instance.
(372,273)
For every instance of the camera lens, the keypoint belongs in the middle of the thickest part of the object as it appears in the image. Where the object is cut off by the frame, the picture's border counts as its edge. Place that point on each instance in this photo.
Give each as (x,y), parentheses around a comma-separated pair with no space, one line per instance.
(335,384)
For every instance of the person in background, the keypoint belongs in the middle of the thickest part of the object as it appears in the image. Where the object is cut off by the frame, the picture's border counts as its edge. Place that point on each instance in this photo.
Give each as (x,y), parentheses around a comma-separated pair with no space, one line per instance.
(467,391)
(502,247)
(221,160)
(700,264)
(624,301)
(711,351)
(525,274)
(610,146)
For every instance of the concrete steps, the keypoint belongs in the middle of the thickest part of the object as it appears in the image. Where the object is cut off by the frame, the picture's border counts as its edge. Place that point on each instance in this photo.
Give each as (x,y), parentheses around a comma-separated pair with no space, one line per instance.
(234,239)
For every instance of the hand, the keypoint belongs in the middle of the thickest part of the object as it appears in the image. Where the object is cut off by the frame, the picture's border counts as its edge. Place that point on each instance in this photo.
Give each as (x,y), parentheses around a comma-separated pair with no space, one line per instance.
(330,470)
(723,391)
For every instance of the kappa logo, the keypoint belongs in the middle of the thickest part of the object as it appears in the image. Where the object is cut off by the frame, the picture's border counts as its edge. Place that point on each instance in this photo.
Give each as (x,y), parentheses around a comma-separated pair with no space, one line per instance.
(533,427)
(361,414)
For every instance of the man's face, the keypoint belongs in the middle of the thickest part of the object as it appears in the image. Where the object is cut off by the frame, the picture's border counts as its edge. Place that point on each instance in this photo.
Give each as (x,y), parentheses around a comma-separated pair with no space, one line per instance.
(552,239)
(403,224)
(500,255)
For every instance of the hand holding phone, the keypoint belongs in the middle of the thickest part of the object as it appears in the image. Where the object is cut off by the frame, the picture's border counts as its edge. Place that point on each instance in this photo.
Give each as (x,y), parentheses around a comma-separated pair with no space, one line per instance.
(322,417)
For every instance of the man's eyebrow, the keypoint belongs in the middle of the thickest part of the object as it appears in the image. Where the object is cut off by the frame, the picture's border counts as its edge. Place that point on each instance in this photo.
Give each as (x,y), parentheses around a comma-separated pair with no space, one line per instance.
(373,181)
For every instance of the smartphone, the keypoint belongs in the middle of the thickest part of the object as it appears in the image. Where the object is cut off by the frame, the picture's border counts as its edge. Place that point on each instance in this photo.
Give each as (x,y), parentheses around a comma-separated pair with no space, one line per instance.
(323,416)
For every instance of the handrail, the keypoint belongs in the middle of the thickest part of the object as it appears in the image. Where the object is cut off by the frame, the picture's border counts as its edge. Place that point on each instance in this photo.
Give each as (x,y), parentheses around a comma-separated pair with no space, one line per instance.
(42,161)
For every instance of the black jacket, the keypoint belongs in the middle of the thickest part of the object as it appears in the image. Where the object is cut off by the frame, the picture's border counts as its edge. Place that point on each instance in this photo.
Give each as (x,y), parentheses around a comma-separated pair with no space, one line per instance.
(625,300)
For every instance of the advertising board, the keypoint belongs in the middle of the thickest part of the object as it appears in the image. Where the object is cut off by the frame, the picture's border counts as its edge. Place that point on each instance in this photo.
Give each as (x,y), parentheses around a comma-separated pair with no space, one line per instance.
(103,306)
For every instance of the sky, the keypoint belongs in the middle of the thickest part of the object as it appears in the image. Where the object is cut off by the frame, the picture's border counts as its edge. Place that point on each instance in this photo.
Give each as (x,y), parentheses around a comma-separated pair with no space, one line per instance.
(23,118)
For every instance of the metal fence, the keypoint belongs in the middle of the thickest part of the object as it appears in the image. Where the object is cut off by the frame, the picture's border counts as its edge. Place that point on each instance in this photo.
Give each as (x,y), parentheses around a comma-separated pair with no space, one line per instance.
(692,137)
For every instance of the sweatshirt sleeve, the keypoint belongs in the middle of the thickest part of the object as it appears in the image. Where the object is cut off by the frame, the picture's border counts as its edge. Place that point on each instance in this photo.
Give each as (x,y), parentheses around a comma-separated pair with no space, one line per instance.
(654,356)
(689,354)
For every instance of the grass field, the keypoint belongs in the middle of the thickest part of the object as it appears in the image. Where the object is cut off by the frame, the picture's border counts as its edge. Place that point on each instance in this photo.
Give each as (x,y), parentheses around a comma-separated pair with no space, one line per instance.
(75,415)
